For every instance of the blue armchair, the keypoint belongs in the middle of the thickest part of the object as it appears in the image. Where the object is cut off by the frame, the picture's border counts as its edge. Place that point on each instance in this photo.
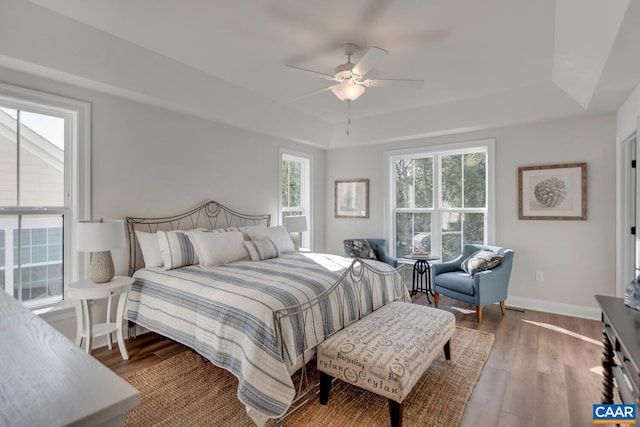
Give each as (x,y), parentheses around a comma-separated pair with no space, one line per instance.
(379,247)
(485,287)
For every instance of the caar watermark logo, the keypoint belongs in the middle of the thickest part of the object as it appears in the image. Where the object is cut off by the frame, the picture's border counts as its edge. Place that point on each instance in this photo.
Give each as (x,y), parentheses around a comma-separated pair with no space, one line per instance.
(614,414)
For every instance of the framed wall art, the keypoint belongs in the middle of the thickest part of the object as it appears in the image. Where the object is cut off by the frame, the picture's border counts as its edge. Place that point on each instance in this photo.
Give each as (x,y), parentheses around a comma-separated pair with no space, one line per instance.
(352,198)
(553,192)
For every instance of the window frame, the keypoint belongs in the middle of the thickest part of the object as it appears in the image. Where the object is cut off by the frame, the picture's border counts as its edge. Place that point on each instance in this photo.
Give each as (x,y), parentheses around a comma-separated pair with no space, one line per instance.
(306,190)
(437,151)
(77,173)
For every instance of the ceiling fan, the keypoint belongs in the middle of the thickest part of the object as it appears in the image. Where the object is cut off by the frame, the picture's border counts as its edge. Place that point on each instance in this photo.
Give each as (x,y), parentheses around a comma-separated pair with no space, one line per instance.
(350,77)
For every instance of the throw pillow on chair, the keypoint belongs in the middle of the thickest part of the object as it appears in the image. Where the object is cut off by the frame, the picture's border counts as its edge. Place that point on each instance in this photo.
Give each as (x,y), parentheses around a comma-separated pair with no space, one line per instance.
(360,248)
(480,261)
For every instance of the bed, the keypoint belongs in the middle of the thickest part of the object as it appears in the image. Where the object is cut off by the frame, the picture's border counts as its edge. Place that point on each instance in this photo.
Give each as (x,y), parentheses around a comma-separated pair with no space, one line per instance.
(259,318)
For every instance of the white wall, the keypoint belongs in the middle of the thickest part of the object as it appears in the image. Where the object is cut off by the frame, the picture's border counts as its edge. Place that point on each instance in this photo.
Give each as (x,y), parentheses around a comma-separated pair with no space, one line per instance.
(151,161)
(167,162)
(628,113)
(628,120)
(38,40)
(577,257)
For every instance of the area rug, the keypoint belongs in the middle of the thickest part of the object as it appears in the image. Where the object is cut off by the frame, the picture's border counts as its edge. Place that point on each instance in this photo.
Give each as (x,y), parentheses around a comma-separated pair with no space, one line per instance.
(185,391)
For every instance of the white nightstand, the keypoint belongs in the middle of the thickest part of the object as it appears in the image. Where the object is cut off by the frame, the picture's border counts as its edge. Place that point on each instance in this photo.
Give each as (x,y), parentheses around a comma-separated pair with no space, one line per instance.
(86,290)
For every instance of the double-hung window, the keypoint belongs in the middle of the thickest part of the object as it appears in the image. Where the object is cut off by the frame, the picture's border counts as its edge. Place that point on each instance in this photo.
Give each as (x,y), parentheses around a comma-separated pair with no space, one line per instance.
(43,192)
(440,198)
(295,189)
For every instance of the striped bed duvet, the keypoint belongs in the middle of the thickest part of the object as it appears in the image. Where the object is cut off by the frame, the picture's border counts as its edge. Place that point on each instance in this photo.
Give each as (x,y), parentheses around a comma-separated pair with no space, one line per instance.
(226,314)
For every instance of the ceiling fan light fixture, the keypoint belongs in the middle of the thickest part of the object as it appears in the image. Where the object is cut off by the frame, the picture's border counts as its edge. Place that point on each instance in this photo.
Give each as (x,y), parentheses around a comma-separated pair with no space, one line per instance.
(347,91)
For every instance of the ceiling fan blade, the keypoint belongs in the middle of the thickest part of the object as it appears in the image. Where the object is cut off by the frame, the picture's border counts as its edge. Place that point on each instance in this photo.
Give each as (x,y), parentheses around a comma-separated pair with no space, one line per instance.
(315,92)
(369,60)
(385,82)
(317,73)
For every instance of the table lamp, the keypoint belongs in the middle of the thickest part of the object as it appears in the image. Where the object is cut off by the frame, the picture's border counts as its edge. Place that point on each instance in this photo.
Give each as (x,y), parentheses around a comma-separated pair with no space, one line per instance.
(296,224)
(99,238)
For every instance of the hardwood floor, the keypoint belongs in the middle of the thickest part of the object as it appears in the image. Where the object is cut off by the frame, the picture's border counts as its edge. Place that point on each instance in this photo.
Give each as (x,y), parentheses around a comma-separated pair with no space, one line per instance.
(144,351)
(543,369)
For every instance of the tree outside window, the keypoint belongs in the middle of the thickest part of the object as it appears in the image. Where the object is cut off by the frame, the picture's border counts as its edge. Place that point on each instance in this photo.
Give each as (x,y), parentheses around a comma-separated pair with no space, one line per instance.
(291,187)
(414,205)
(463,204)
(295,189)
(440,201)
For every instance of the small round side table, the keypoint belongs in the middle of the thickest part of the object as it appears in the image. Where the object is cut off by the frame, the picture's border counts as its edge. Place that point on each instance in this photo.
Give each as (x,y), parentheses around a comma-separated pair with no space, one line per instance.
(421,274)
(82,293)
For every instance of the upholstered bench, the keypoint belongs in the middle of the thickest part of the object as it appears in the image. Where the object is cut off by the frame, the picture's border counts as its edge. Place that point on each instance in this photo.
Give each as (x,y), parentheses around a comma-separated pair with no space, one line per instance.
(386,352)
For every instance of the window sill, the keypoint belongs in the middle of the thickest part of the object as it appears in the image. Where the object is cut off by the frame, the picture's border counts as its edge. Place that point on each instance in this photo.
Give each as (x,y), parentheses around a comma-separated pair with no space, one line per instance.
(61,311)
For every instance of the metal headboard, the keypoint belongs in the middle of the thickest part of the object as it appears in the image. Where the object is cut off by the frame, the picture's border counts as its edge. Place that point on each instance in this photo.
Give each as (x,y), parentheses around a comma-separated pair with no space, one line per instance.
(208,215)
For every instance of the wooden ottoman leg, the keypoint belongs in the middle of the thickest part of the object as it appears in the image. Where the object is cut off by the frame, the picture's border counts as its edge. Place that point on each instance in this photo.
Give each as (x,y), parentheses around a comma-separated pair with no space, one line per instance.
(447,350)
(325,387)
(395,411)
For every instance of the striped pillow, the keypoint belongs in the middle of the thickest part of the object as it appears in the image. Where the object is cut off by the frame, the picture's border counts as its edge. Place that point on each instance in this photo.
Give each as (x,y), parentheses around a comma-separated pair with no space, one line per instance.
(278,234)
(177,250)
(262,249)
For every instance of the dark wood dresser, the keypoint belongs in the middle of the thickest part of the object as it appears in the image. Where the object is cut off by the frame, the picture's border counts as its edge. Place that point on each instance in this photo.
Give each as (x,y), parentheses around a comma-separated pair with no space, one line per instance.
(621,354)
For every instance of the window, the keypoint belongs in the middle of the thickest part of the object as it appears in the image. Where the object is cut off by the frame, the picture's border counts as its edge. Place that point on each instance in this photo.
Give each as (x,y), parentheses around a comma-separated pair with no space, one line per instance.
(440,198)
(43,192)
(295,189)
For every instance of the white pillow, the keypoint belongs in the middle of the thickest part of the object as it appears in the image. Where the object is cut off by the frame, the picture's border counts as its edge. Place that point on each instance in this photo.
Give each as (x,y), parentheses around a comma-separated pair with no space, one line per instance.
(194,242)
(278,234)
(221,248)
(253,229)
(177,250)
(262,249)
(150,248)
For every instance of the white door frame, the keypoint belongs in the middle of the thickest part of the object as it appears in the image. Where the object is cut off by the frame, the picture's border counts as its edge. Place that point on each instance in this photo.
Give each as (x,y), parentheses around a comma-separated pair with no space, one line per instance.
(626,152)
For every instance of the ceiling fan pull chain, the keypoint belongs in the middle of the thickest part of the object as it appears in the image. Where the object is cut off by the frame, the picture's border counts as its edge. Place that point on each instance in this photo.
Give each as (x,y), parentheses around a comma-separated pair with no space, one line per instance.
(348,116)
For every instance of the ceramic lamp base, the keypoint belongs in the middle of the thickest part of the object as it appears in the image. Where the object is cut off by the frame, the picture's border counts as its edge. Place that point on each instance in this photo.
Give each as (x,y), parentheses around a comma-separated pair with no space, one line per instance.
(297,240)
(101,270)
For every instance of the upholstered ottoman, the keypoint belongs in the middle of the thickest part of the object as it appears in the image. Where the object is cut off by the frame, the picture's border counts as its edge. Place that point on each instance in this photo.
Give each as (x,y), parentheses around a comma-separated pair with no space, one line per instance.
(386,352)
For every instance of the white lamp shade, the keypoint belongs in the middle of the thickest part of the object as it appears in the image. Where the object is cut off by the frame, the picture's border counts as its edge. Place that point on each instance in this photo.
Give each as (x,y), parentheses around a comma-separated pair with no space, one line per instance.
(99,236)
(295,224)
(347,91)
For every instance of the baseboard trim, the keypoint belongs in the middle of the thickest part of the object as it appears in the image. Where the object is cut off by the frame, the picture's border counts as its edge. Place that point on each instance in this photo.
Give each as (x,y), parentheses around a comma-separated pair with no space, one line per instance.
(101,341)
(554,307)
